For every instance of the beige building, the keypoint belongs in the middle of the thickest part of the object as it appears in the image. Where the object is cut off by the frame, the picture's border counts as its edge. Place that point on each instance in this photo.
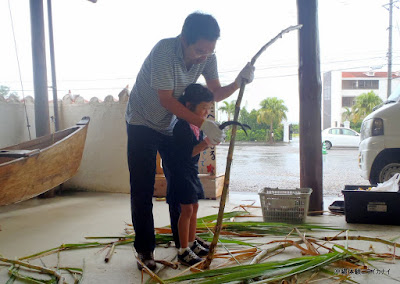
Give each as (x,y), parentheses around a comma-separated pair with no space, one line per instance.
(341,88)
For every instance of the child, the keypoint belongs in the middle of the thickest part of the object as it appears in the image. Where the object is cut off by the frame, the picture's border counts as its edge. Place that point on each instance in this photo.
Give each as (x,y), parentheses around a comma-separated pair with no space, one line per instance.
(186,187)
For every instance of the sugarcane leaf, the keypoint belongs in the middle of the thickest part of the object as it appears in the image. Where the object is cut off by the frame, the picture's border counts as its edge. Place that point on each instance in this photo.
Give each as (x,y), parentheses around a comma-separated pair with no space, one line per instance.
(327,271)
(110,237)
(30,279)
(225,240)
(227,215)
(318,261)
(12,276)
(83,270)
(355,255)
(395,239)
(252,269)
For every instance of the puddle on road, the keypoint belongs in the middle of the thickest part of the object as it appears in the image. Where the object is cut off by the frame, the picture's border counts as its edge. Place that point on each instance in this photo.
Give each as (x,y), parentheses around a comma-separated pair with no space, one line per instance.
(256,167)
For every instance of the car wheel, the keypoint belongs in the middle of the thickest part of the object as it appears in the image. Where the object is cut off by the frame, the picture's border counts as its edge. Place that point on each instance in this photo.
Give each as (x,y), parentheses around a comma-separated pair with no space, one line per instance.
(385,171)
(388,171)
(328,145)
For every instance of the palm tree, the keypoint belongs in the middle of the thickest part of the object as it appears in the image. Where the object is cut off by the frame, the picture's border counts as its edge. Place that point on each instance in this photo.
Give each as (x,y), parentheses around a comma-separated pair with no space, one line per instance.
(346,115)
(272,111)
(364,104)
(229,108)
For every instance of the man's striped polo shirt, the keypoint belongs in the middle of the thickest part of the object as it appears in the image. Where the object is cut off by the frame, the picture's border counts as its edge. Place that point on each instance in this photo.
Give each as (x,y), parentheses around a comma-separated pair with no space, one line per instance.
(164,69)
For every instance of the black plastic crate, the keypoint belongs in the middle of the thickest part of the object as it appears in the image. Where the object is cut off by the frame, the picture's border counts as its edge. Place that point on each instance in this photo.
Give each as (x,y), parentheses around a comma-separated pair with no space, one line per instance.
(371,207)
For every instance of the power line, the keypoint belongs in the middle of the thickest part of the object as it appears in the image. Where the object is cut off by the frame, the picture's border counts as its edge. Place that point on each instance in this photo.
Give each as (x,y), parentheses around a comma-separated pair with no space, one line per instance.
(19,71)
(224,72)
(256,78)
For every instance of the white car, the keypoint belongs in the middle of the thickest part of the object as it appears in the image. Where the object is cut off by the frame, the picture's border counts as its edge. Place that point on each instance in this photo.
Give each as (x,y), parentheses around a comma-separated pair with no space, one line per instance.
(340,137)
(379,151)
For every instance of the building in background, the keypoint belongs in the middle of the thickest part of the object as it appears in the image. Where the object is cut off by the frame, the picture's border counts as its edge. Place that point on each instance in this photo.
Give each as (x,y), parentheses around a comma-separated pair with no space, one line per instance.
(341,88)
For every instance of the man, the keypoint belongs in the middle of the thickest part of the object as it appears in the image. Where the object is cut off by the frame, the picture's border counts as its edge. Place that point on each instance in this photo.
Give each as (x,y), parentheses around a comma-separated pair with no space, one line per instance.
(171,66)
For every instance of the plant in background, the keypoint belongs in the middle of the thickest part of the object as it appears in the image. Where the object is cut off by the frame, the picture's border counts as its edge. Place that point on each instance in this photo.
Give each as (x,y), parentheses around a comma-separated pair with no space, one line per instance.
(259,129)
(356,126)
(363,105)
(228,108)
(347,114)
(250,118)
(272,112)
(5,92)
(295,128)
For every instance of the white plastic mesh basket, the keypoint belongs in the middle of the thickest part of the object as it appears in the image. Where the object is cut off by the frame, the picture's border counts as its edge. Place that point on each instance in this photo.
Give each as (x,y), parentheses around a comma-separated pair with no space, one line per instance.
(285,205)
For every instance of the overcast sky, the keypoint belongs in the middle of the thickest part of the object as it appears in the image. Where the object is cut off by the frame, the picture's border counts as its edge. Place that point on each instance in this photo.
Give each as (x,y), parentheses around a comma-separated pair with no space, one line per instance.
(100,47)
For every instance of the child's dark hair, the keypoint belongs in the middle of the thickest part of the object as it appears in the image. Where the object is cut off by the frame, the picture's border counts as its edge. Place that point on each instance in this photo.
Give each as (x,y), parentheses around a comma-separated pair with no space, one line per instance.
(196,94)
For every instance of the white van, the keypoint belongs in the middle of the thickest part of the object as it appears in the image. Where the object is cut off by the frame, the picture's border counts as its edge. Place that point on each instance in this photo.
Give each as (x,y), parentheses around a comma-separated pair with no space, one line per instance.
(379,150)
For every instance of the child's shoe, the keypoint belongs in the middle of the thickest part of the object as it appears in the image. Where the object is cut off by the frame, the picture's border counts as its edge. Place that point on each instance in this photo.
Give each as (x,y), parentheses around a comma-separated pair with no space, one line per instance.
(188,257)
(202,242)
(198,249)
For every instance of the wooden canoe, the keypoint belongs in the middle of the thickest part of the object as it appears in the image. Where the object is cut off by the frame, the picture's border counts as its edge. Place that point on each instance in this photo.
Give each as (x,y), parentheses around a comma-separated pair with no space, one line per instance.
(34,167)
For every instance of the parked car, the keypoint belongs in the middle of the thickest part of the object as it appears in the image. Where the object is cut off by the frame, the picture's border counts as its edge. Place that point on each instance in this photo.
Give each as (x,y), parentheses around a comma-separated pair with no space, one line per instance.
(340,137)
(379,151)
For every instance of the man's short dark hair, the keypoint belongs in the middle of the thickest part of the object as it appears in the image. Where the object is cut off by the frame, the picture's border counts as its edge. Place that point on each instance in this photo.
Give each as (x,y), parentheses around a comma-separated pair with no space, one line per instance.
(200,26)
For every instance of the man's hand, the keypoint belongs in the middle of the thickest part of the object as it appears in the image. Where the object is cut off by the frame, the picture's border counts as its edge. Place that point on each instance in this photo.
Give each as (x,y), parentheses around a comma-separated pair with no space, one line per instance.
(212,131)
(247,74)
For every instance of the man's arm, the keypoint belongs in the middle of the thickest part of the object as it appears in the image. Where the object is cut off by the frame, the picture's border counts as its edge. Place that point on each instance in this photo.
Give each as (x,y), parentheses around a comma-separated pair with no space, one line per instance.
(221,93)
(174,106)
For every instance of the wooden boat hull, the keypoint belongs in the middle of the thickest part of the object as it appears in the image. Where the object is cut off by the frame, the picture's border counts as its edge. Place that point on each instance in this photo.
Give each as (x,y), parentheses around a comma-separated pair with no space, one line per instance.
(34,167)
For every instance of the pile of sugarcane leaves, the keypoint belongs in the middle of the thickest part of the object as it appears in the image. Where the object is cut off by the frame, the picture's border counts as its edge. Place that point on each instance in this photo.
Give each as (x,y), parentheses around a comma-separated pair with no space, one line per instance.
(247,262)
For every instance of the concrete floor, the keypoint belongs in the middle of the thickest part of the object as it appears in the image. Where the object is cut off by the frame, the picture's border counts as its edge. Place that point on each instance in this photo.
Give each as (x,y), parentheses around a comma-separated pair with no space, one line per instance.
(39,224)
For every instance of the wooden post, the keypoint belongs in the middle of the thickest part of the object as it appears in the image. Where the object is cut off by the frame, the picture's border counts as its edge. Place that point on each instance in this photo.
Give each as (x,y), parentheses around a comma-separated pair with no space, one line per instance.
(310,103)
(39,69)
(53,66)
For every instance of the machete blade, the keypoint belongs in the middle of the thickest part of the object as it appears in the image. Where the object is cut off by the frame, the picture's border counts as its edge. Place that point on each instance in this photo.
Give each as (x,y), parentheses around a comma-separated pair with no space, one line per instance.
(227,123)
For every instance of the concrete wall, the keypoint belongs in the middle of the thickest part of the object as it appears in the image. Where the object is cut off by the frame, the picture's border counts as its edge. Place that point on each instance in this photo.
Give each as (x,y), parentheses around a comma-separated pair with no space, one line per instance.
(13,129)
(104,164)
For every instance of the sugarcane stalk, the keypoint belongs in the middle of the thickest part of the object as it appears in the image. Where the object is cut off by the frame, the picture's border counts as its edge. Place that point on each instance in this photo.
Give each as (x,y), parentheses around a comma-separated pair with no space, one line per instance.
(148,271)
(361,238)
(222,245)
(36,267)
(224,194)
(265,252)
(110,253)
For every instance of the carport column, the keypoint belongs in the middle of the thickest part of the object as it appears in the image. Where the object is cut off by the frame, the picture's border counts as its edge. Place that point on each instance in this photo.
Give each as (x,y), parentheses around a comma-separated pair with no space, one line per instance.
(39,69)
(310,102)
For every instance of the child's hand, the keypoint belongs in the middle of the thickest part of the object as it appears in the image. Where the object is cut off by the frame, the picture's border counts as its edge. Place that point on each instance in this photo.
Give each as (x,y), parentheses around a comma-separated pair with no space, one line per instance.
(212,131)
(209,142)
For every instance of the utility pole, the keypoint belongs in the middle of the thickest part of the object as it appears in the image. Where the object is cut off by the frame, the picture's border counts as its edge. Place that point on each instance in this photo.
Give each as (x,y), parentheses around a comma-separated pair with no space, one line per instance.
(389,79)
(53,66)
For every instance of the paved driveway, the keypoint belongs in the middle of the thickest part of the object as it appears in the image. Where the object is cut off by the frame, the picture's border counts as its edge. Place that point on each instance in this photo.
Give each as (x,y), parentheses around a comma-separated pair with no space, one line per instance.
(256,166)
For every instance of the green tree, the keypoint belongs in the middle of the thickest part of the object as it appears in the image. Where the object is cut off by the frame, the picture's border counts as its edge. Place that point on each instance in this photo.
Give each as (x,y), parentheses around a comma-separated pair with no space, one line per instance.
(364,104)
(228,108)
(249,118)
(272,111)
(347,114)
(4,90)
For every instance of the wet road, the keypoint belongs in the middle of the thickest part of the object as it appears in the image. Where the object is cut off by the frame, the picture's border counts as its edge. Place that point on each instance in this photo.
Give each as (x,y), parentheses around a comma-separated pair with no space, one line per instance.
(256,166)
